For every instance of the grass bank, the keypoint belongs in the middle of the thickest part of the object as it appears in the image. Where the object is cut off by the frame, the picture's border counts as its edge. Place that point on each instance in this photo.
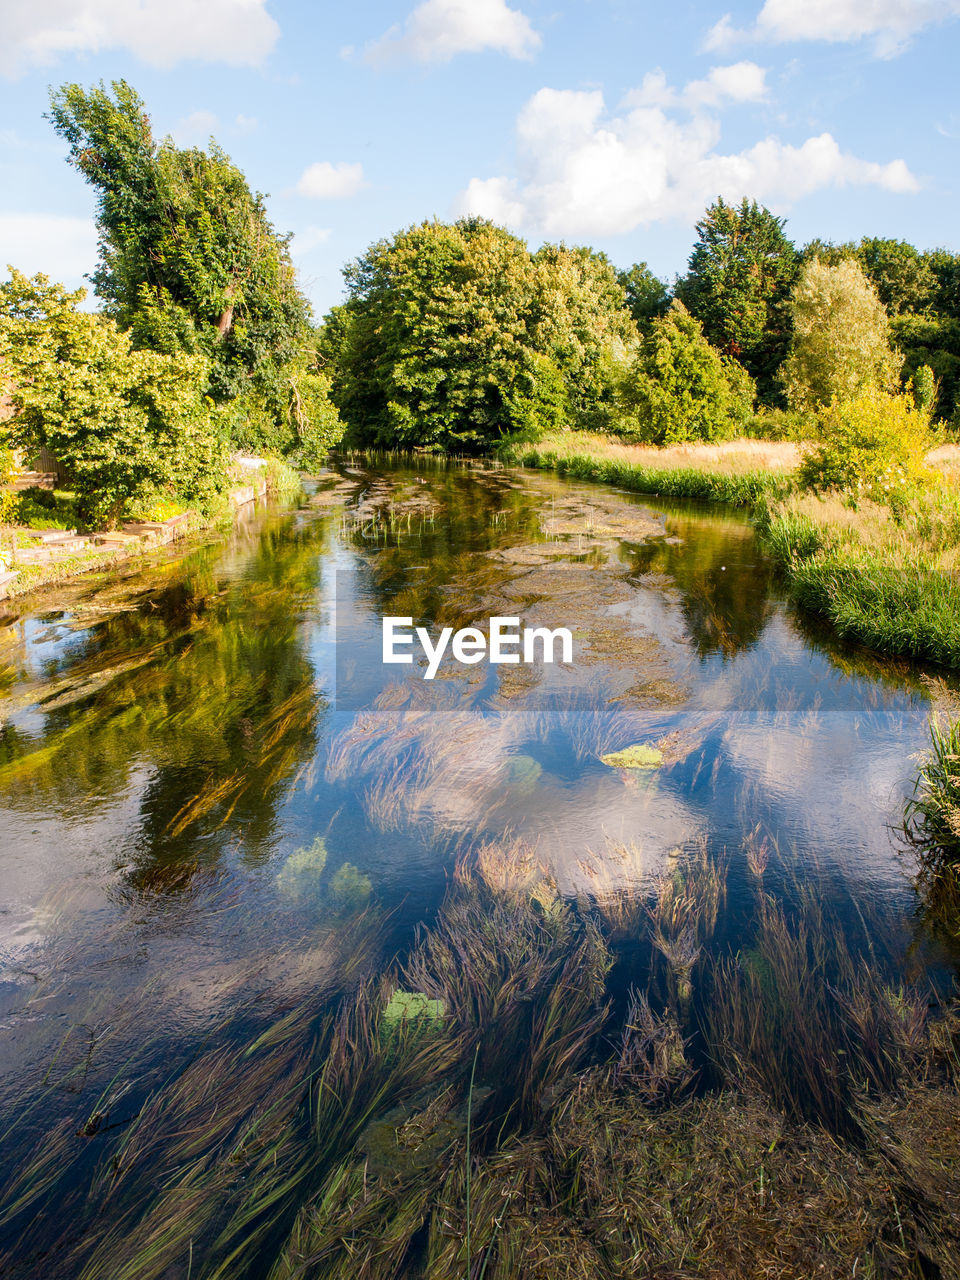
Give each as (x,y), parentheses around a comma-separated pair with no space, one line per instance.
(739,473)
(884,576)
(498,1106)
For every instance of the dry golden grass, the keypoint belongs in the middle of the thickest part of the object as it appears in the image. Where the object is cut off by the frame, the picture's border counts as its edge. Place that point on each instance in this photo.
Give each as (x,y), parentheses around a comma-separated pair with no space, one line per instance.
(734,456)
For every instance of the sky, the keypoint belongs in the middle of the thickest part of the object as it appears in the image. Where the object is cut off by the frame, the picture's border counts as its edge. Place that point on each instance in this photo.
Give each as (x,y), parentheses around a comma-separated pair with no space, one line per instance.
(604,122)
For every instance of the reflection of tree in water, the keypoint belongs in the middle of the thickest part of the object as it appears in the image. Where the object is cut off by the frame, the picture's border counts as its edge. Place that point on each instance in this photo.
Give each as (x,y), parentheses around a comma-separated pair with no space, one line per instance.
(210,692)
(433,567)
(725,602)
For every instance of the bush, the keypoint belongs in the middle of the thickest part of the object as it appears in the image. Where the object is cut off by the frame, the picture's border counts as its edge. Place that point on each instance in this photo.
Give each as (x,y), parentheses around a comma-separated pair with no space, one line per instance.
(8,498)
(870,446)
(124,423)
(780,424)
(679,388)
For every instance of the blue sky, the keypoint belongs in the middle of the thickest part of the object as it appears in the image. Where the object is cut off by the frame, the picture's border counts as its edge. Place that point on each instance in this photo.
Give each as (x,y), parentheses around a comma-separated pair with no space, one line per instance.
(595,121)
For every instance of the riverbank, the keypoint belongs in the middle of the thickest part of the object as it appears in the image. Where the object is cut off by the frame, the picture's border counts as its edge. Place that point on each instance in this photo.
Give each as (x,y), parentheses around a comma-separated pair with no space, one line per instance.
(35,557)
(738,473)
(882,575)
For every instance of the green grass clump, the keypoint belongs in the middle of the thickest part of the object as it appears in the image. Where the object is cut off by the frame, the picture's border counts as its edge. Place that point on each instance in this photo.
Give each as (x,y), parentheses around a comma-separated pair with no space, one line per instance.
(933,811)
(736,488)
(883,575)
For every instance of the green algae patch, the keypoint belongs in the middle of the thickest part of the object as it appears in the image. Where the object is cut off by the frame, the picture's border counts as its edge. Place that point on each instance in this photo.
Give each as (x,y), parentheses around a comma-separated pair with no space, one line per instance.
(349,889)
(640,756)
(410,1006)
(300,874)
(523,773)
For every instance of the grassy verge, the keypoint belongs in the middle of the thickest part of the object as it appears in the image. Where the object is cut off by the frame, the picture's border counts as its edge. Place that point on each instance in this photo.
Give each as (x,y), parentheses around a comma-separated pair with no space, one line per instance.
(785,1109)
(885,576)
(739,475)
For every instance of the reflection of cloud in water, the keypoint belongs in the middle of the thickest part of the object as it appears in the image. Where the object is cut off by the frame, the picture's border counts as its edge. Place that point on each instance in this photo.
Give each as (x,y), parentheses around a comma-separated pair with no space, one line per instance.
(454,767)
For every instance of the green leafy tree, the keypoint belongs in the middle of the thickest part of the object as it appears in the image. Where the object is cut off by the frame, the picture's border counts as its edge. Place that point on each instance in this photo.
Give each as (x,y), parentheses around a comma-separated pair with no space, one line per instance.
(434,346)
(189,260)
(738,284)
(646,295)
(680,388)
(902,276)
(841,339)
(582,324)
(126,424)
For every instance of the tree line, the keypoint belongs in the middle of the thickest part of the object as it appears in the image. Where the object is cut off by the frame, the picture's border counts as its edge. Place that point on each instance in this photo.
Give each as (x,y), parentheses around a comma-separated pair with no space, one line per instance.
(451,337)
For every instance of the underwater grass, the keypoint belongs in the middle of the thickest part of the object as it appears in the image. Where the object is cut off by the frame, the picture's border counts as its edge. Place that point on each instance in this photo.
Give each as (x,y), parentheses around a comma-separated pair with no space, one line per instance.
(491,1106)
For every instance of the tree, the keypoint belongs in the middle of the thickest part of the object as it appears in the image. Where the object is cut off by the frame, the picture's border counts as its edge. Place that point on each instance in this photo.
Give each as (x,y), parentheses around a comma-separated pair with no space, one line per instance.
(902,276)
(647,296)
(582,324)
(455,335)
(841,341)
(680,388)
(189,260)
(738,284)
(126,424)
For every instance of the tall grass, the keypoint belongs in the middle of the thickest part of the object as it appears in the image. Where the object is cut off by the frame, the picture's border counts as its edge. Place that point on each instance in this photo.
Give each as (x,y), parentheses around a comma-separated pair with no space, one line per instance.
(884,576)
(735,481)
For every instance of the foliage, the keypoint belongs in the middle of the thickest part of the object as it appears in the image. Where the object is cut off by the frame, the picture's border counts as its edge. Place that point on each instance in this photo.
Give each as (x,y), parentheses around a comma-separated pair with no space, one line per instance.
(932,819)
(582,324)
(840,345)
(124,423)
(738,284)
(454,336)
(8,497)
(873,445)
(190,263)
(647,296)
(679,388)
(44,509)
(770,423)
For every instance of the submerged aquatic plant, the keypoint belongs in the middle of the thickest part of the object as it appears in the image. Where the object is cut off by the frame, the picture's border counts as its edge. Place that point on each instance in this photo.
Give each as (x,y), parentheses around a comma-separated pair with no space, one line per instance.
(301,872)
(489,1110)
(640,756)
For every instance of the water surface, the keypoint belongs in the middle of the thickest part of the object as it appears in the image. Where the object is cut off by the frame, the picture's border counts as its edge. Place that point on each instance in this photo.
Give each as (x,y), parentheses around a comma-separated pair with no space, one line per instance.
(171,740)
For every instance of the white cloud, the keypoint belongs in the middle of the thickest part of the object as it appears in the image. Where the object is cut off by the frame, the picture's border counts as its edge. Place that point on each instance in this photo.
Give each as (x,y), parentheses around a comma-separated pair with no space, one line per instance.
(308,239)
(63,248)
(160,32)
(245,124)
(586,172)
(326,181)
(891,23)
(196,127)
(741,82)
(437,30)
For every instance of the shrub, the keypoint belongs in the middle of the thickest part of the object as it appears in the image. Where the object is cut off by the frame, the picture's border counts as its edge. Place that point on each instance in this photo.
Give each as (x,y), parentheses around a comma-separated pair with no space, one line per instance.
(123,422)
(871,446)
(679,388)
(8,498)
